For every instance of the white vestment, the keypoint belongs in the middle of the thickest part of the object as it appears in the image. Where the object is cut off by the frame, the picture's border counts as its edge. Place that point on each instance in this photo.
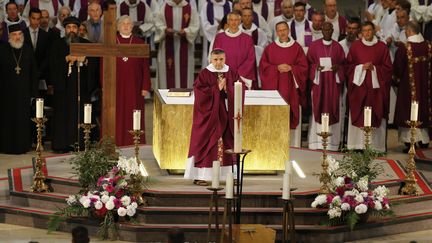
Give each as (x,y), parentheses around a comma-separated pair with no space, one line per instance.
(335,23)
(387,22)
(191,33)
(257,7)
(301,33)
(377,10)
(210,30)
(43,4)
(316,34)
(378,137)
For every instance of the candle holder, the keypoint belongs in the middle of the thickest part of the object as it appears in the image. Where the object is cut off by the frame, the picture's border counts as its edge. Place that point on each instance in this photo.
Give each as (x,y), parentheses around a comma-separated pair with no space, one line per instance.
(136,180)
(410,180)
(227,214)
(213,202)
(240,157)
(367,134)
(324,176)
(288,223)
(87,130)
(39,177)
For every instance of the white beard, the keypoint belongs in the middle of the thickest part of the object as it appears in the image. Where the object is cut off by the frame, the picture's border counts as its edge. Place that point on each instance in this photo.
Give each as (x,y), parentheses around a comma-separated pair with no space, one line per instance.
(17,44)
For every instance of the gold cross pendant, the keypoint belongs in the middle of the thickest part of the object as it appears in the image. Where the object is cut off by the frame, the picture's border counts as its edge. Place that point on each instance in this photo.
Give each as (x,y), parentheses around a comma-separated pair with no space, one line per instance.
(17,69)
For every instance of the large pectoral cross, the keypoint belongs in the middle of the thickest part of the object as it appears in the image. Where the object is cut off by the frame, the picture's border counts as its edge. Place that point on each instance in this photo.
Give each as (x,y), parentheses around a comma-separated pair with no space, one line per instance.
(109,50)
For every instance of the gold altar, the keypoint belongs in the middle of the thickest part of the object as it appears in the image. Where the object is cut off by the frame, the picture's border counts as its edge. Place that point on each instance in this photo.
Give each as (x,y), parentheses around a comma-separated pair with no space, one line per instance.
(265,132)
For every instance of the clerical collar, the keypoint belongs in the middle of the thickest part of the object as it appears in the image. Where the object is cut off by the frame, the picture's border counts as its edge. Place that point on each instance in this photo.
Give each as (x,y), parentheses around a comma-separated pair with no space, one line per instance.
(334,19)
(416,38)
(212,68)
(284,44)
(173,4)
(125,36)
(250,30)
(221,3)
(370,43)
(228,33)
(10,22)
(287,19)
(327,43)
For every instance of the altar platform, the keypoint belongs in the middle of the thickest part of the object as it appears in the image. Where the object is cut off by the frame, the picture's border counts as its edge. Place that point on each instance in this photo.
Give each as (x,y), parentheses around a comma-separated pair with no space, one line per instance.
(175,202)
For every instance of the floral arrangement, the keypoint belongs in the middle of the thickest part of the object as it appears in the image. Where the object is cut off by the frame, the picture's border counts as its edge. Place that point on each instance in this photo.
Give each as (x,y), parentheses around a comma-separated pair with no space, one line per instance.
(114,198)
(350,199)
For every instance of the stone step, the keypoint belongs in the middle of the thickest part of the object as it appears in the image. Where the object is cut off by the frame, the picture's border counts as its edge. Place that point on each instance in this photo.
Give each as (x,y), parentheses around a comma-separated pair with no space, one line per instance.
(408,222)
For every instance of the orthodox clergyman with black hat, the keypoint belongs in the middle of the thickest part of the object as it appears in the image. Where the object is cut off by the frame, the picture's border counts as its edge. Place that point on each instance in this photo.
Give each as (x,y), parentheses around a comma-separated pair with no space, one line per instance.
(65,81)
(18,84)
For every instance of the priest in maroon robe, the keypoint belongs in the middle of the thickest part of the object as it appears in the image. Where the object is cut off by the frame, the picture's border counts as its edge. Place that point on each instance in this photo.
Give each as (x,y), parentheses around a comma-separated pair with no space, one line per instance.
(412,71)
(212,126)
(326,59)
(369,76)
(284,67)
(133,83)
(239,49)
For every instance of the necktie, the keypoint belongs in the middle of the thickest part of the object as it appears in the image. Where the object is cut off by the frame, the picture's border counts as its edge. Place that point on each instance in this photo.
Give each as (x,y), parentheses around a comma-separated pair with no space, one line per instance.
(34,39)
(96,32)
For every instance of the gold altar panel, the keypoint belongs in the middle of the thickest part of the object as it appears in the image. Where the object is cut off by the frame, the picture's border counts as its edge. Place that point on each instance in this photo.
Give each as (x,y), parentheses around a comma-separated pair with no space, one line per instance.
(265,131)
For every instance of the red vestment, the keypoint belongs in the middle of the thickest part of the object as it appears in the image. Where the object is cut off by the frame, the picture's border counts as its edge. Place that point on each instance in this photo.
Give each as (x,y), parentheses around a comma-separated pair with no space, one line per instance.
(420,88)
(365,94)
(272,79)
(240,53)
(211,119)
(327,92)
(133,76)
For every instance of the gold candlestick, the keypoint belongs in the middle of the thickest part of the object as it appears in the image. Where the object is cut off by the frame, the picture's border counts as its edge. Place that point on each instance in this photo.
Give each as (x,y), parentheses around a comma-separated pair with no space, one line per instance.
(367,134)
(39,177)
(87,130)
(410,181)
(324,177)
(137,180)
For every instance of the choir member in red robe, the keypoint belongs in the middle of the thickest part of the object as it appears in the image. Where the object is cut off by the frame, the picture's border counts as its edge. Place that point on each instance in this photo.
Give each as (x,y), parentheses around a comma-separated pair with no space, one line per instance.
(369,76)
(239,49)
(133,83)
(284,67)
(326,59)
(412,70)
(212,126)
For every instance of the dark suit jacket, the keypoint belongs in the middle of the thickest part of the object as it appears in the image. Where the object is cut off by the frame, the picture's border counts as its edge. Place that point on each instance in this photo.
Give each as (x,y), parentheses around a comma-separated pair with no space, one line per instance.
(41,51)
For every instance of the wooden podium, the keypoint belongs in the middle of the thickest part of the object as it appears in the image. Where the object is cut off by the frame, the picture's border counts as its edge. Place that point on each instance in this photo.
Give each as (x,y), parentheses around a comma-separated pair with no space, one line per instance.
(265,130)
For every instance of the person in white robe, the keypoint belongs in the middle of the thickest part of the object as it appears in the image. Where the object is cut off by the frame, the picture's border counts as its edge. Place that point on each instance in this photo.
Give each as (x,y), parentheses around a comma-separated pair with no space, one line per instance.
(333,16)
(140,13)
(301,27)
(190,32)
(374,12)
(287,15)
(258,7)
(43,4)
(258,18)
(389,18)
(209,26)
(317,20)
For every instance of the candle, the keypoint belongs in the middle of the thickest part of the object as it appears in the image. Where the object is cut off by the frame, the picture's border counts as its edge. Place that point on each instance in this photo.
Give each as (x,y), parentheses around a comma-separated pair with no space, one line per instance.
(137,120)
(367,116)
(238,93)
(414,111)
(324,122)
(229,185)
(288,167)
(39,108)
(87,113)
(286,187)
(215,174)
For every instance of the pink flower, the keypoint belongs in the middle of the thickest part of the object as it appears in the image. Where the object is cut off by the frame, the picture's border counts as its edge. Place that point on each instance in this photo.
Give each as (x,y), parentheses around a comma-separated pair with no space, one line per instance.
(340,191)
(329,198)
(117,203)
(119,193)
(385,201)
(109,188)
(347,180)
(100,180)
(101,212)
(114,170)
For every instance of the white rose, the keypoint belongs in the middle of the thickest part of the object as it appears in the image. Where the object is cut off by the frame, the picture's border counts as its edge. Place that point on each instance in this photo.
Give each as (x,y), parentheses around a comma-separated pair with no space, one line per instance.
(121,211)
(334,212)
(130,210)
(105,198)
(364,194)
(359,198)
(104,193)
(71,199)
(112,198)
(321,199)
(336,200)
(134,205)
(361,209)
(345,207)
(314,204)
(387,206)
(381,191)
(340,181)
(109,205)
(98,205)
(125,200)
(97,197)
(333,165)
(86,203)
(362,184)
(378,205)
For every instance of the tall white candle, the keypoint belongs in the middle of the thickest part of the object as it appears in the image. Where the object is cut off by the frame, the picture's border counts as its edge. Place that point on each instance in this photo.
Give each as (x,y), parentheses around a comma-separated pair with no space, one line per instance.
(215,174)
(229,190)
(324,122)
(367,116)
(288,167)
(87,113)
(286,187)
(414,111)
(238,97)
(39,107)
(137,120)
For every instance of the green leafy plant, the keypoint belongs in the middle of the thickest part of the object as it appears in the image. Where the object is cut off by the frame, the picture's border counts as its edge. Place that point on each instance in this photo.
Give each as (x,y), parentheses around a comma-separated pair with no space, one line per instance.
(358,164)
(90,165)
